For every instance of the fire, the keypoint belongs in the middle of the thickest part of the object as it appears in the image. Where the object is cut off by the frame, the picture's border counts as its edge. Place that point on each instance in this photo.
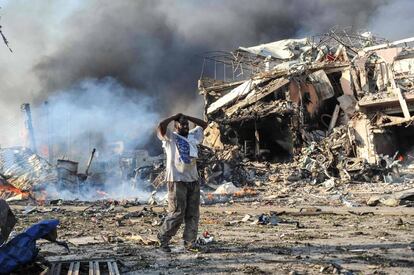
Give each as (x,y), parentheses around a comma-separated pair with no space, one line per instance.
(102,193)
(7,188)
(246,192)
(11,189)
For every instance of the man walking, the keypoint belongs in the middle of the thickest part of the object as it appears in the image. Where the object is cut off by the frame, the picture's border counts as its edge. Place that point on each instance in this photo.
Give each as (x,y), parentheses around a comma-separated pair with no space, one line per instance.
(182,178)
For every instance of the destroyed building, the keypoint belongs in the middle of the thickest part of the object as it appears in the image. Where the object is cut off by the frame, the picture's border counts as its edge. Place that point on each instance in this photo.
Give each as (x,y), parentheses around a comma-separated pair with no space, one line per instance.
(338,102)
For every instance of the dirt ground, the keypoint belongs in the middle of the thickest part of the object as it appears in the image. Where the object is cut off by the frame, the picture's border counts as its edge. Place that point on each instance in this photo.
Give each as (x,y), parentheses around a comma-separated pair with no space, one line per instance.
(305,239)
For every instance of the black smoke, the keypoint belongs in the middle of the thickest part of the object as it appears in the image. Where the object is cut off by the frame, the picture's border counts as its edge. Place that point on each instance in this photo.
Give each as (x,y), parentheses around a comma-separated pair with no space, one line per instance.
(153,46)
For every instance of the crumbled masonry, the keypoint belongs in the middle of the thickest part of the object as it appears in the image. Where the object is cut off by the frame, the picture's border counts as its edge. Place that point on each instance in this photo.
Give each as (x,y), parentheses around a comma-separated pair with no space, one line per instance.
(337,107)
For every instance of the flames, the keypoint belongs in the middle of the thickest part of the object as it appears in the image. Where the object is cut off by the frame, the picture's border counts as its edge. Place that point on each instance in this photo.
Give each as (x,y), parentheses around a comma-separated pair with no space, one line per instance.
(11,189)
(8,191)
(102,193)
(245,192)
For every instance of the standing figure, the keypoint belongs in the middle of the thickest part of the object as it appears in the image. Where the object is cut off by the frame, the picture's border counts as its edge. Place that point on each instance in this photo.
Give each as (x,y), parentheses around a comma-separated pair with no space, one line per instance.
(182,178)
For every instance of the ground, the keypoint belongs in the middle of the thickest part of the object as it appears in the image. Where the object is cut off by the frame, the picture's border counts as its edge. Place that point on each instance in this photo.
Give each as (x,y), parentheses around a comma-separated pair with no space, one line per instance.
(325,239)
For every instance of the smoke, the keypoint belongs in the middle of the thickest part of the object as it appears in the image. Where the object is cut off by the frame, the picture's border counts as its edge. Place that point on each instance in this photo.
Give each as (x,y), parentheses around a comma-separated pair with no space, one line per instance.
(122,191)
(149,49)
(153,45)
(94,113)
(394,20)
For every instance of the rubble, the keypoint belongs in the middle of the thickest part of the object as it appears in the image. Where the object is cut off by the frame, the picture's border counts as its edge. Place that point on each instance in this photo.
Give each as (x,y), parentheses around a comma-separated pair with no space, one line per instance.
(22,171)
(404,197)
(328,235)
(227,188)
(205,238)
(325,105)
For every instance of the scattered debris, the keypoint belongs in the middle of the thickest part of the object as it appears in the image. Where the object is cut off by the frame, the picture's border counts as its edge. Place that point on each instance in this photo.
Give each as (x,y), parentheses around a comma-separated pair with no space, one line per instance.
(302,122)
(226,189)
(142,240)
(205,238)
(395,199)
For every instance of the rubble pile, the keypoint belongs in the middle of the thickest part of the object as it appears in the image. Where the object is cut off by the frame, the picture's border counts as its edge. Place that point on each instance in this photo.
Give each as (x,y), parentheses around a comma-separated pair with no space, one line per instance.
(334,106)
(21,171)
(224,166)
(333,157)
(278,145)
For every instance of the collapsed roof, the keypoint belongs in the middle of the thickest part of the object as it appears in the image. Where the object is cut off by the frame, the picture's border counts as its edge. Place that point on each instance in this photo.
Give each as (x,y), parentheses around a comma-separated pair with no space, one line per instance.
(274,99)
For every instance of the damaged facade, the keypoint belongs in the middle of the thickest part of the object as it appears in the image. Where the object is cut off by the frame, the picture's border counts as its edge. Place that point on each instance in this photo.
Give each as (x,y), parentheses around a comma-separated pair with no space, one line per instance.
(337,105)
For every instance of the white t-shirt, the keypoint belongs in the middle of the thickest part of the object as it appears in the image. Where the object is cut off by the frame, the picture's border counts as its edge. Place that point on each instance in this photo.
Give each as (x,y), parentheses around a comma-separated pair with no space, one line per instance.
(182,154)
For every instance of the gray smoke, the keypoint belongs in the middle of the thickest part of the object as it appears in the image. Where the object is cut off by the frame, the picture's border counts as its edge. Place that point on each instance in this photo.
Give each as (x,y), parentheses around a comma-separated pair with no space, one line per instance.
(152,45)
(94,113)
(121,191)
(149,50)
(394,20)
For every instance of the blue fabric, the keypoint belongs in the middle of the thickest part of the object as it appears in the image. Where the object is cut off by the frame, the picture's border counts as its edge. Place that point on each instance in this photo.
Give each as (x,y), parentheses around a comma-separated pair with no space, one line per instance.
(183,149)
(22,248)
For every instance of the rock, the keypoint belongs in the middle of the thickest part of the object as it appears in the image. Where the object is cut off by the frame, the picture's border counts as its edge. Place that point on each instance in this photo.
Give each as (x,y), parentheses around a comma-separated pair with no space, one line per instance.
(373,201)
(392,202)
(246,218)
(330,183)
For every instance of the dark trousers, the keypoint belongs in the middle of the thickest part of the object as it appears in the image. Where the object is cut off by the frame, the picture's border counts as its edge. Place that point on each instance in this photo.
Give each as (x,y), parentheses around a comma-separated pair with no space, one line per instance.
(183,205)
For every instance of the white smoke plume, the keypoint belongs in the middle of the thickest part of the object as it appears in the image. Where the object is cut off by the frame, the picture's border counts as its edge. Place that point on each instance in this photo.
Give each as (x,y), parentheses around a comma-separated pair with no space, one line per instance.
(122,190)
(94,114)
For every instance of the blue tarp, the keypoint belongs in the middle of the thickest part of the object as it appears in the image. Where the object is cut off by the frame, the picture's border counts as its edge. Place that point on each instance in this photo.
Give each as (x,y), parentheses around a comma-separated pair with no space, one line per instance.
(22,248)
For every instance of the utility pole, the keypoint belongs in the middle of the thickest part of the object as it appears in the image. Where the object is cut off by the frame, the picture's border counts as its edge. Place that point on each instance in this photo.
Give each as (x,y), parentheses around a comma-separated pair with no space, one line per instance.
(49,132)
(29,125)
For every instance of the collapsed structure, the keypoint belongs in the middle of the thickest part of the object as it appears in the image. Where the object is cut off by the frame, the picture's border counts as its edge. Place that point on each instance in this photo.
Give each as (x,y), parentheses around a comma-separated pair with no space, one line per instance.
(337,105)
(331,106)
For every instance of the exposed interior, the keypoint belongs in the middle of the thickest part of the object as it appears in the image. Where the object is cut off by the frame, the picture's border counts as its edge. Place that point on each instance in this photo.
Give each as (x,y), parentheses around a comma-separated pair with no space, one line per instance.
(267,139)
(396,138)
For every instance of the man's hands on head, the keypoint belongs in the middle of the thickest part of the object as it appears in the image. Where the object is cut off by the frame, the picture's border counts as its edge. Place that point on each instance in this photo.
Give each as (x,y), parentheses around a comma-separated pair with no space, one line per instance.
(178,116)
(162,126)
